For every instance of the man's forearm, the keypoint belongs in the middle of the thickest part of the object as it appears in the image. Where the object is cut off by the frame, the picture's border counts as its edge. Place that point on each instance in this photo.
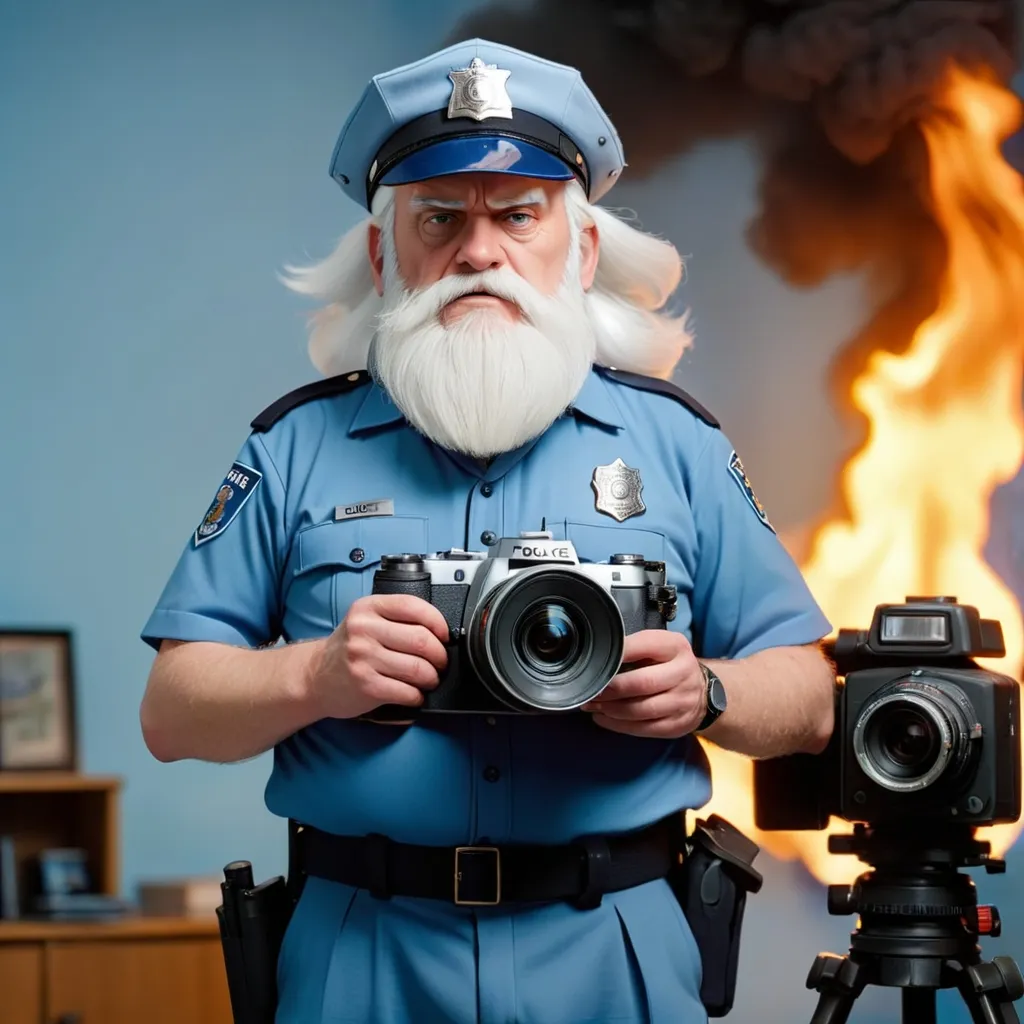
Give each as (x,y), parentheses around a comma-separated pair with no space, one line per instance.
(779,701)
(215,702)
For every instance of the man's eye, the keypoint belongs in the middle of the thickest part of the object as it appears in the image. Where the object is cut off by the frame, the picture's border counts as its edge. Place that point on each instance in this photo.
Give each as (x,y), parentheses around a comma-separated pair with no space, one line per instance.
(518,219)
(441,219)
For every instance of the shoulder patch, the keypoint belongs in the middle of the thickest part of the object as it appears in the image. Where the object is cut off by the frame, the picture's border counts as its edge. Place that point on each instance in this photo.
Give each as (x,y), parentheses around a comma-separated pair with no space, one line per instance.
(338,385)
(661,387)
(739,474)
(232,494)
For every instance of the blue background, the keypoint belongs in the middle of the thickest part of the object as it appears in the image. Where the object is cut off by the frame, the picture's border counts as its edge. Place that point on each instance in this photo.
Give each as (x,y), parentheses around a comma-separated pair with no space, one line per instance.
(159,162)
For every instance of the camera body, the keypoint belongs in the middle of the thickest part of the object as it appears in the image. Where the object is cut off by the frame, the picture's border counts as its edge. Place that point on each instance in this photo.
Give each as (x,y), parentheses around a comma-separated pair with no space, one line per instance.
(923,735)
(532,629)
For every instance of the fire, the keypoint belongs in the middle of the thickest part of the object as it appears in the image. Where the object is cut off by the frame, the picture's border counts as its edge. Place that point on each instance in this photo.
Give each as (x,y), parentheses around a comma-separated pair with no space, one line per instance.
(945,429)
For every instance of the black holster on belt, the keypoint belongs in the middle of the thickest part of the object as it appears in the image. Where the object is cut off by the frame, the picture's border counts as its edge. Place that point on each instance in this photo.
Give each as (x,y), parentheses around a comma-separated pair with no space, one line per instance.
(711,885)
(253,920)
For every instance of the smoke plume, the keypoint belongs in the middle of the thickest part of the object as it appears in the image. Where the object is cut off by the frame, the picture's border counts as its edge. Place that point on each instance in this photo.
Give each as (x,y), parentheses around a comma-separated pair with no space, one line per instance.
(831,91)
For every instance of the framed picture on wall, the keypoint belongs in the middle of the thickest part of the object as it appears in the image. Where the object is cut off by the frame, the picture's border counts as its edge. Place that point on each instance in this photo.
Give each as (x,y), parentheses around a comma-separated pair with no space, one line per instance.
(37,701)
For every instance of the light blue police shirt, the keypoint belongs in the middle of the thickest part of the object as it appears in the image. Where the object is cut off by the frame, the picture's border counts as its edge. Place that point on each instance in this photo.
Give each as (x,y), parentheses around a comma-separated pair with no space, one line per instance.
(270,561)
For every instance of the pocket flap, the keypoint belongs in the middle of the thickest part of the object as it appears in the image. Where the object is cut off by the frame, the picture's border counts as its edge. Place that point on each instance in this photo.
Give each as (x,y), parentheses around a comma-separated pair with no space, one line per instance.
(359,543)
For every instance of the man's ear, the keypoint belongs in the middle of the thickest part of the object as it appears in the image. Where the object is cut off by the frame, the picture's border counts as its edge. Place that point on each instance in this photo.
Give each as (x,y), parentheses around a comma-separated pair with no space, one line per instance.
(376,254)
(590,248)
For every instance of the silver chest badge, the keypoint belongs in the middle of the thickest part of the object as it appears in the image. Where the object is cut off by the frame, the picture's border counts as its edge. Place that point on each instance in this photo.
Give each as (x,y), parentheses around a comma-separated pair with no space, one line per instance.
(617,490)
(479,92)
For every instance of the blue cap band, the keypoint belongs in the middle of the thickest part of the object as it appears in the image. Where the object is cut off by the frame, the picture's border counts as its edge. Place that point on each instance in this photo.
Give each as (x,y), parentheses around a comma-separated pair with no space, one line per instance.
(493,153)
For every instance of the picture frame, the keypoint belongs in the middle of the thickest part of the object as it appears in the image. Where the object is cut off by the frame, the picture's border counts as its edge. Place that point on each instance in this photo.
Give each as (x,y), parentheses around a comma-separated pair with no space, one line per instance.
(38,725)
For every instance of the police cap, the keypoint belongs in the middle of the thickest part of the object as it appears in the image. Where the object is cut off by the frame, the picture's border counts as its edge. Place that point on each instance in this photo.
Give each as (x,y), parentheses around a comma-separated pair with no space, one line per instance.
(476,106)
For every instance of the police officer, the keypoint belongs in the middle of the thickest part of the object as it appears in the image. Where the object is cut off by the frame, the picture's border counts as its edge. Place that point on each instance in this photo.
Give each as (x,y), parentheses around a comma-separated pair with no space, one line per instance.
(497,353)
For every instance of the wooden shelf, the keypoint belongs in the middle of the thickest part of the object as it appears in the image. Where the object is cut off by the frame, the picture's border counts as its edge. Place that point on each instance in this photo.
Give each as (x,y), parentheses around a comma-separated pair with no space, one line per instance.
(119,970)
(133,927)
(57,782)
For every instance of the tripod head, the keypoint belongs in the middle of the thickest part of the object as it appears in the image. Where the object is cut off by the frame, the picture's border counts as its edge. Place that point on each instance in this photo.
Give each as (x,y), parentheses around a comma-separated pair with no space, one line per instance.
(919,925)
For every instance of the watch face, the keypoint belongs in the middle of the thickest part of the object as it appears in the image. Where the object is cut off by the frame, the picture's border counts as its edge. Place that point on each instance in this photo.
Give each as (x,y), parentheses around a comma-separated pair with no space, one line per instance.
(716,695)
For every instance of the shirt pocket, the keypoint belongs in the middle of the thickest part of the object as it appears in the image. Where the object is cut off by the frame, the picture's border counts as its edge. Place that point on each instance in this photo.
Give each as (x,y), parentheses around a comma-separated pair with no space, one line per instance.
(337,560)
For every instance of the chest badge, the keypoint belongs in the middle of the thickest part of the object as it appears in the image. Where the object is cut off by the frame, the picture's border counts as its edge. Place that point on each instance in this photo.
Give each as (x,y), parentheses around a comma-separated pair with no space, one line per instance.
(617,489)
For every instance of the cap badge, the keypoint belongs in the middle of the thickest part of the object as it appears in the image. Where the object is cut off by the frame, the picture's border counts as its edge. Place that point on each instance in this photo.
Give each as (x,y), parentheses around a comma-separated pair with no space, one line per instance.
(479,92)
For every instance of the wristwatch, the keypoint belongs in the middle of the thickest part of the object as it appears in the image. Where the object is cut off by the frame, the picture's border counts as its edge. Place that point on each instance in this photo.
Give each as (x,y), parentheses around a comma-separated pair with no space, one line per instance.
(716,701)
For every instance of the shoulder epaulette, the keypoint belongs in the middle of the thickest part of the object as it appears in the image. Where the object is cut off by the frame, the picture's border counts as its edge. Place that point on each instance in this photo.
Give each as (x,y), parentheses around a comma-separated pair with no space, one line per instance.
(661,387)
(318,389)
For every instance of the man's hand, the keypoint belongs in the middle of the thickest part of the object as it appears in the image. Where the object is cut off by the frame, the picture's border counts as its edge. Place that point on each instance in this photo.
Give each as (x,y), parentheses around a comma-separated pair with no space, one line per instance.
(662,694)
(387,650)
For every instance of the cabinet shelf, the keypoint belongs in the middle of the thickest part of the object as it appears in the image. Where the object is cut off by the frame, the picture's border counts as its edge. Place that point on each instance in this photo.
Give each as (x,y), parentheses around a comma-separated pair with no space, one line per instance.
(121,970)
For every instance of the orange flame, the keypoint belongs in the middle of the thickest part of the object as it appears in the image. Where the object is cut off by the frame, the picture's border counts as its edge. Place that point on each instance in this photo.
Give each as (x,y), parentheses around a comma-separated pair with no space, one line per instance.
(945,429)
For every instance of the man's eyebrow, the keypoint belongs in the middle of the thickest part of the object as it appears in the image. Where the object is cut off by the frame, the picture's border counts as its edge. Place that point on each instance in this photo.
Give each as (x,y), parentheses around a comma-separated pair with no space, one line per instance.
(534,197)
(418,202)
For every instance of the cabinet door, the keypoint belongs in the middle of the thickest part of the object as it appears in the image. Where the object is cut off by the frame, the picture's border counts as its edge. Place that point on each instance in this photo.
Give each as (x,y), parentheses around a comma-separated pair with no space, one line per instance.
(159,981)
(21,984)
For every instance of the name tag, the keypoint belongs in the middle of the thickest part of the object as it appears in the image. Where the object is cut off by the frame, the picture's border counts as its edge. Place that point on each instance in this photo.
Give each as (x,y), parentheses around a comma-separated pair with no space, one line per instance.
(361,509)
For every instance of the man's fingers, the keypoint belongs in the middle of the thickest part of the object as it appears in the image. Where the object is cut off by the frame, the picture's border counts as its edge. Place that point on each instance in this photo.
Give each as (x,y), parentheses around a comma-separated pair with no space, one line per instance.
(653,645)
(663,728)
(639,682)
(406,668)
(392,691)
(406,608)
(407,638)
(641,709)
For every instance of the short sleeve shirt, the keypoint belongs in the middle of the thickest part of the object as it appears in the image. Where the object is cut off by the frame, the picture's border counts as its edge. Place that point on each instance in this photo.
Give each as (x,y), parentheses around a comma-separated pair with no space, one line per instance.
(290,541)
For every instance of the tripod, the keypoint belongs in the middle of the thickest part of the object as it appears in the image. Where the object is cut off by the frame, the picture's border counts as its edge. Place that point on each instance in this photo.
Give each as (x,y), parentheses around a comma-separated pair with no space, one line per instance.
(918,928)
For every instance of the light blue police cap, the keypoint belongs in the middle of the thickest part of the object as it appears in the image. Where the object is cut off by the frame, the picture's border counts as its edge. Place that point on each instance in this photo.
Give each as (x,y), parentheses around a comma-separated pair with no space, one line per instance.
(476,106)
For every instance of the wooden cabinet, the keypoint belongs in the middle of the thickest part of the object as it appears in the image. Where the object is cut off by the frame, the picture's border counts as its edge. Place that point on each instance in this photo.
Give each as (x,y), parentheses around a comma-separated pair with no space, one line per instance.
(129,970)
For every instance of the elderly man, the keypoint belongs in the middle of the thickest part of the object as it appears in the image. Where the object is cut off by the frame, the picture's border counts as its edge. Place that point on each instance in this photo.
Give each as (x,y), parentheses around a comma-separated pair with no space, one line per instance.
(497,357)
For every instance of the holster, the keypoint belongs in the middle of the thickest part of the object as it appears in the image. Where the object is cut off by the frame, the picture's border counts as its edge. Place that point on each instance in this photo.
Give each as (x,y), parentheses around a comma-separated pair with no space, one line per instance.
(253,920)
(711,885)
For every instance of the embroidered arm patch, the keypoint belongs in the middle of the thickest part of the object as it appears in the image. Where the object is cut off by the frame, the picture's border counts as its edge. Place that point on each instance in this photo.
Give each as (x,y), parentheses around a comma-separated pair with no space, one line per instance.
(739,474)
(232,494)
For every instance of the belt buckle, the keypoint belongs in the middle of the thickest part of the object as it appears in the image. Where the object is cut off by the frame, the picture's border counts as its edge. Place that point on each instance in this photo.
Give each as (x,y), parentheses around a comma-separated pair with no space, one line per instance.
(476,863)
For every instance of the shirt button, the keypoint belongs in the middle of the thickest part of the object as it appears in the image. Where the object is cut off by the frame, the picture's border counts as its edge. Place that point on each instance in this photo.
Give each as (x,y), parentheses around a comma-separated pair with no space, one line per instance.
(357,554)
(490,720)
(488,537)
(492,774)
(486,490)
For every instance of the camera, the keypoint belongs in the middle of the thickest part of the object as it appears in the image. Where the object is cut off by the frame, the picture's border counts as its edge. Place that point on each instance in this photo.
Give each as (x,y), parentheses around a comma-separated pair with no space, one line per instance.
(532,629)
(923,736)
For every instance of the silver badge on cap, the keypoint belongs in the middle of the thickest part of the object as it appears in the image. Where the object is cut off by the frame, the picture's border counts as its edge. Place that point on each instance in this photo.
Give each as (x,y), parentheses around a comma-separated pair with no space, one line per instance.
(617,489)
(479,92)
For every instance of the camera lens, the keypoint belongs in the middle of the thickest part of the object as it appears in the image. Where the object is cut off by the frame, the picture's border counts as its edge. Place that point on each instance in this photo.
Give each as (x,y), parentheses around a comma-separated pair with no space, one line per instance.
(547,636)
(913,734)
(909,739)
(546,639)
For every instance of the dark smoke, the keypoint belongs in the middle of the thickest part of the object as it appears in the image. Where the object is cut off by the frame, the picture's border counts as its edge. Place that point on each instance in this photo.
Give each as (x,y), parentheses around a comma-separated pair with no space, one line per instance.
(831,91)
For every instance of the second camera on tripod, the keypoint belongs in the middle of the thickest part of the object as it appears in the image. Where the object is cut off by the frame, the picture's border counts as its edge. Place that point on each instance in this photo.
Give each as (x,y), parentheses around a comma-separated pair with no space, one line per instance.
(923,735)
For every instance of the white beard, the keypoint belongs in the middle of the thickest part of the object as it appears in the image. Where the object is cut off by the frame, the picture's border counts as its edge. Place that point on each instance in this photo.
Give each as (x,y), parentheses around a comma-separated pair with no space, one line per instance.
(483,384)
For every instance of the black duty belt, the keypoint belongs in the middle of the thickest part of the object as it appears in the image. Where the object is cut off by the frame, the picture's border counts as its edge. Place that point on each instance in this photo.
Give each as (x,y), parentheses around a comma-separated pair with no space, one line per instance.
(579,872)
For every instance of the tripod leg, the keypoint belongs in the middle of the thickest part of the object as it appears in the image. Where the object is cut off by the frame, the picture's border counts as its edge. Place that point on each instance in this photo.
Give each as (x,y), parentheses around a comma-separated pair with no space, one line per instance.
(838,980)
(918,1006)
(990,990)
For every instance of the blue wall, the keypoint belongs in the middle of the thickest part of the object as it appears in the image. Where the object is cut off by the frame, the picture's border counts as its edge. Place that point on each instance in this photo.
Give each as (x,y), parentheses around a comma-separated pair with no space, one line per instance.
(158,163)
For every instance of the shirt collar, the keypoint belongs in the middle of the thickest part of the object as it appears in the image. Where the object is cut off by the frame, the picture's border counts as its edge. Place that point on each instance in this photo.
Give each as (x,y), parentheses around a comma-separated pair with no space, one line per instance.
(594,402)
(377,410)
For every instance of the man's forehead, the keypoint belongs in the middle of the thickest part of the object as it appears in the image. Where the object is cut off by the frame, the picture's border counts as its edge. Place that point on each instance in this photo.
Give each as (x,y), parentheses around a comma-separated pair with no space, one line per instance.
(494,190)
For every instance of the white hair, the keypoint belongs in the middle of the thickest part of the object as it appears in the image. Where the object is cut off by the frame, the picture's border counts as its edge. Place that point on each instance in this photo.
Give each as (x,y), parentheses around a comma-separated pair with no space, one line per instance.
(637,273)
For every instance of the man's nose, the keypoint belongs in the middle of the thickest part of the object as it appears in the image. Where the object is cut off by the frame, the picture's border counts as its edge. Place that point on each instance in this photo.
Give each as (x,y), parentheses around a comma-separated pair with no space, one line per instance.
(480,246)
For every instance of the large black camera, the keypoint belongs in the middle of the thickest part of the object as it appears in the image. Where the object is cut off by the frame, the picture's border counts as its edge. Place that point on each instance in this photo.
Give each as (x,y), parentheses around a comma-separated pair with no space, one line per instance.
(923,736)
(532,629)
